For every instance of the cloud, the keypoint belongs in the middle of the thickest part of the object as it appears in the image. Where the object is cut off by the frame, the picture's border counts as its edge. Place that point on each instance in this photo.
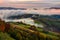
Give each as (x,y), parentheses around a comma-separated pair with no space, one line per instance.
(21,0)
(18,1)
(34,3)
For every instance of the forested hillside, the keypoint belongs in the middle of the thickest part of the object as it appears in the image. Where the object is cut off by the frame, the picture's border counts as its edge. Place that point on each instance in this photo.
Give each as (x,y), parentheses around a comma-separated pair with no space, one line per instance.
(20,31)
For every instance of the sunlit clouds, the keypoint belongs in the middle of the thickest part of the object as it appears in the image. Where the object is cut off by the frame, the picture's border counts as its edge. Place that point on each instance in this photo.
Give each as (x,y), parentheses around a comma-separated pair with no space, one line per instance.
(33,4)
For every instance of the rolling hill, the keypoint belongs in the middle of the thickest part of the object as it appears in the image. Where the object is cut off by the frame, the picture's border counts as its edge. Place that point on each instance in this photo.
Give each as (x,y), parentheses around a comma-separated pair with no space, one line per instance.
(21,31)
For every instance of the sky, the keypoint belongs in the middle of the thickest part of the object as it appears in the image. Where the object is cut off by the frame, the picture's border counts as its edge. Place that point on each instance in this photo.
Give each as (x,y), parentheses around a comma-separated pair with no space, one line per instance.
(28,3)
(31,4)
(2,1)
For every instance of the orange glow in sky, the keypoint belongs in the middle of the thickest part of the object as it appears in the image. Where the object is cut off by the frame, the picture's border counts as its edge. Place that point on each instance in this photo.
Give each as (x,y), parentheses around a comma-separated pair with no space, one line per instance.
(1,1)
(23,0)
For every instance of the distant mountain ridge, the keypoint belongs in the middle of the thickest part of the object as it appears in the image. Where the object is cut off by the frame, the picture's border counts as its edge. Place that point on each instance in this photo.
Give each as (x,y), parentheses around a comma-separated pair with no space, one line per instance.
(10,8)
(54,8)
(34,16)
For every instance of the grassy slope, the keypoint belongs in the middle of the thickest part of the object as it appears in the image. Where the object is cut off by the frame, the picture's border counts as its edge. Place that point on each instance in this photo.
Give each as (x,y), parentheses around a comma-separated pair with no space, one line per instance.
(19,31)
(45,35)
